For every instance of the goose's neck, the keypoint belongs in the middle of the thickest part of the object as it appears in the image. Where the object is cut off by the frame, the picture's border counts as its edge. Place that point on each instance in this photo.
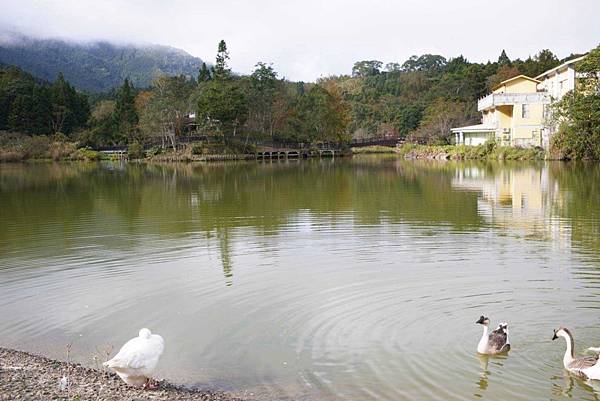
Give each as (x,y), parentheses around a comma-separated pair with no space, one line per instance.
(482,346)
(569,356)
(485,331)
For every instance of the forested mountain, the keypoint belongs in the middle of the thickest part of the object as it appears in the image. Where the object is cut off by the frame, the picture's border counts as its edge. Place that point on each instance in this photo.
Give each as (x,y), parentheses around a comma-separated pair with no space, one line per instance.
(96,66)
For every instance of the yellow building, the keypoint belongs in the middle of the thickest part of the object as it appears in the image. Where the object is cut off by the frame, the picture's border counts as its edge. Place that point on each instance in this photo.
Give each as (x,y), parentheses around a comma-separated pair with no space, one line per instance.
(515,112)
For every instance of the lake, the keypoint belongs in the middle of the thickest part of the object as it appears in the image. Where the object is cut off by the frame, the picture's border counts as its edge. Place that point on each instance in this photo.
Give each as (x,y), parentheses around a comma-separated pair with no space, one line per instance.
(353,279)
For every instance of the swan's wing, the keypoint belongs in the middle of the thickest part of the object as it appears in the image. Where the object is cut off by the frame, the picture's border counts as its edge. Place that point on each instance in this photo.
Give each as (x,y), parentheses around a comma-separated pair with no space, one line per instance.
(497,339)
(583,362)
(138,353)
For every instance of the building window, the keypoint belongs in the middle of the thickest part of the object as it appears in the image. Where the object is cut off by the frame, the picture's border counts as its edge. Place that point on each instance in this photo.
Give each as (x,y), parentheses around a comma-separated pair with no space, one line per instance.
(524,111)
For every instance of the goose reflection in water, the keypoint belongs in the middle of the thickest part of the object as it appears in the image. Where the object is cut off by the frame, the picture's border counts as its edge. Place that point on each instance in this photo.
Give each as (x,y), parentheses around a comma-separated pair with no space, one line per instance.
(484,361)
(563,385)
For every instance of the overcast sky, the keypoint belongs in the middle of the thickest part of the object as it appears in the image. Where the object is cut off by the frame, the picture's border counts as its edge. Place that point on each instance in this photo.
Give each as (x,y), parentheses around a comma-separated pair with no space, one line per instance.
(306,39)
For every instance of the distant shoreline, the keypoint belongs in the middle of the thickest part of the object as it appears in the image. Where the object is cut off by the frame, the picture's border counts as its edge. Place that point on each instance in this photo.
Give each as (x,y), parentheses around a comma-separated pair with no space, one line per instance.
(25,376)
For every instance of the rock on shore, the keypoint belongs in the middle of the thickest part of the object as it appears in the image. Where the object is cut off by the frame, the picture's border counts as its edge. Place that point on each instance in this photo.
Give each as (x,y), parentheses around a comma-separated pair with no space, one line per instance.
(24,376)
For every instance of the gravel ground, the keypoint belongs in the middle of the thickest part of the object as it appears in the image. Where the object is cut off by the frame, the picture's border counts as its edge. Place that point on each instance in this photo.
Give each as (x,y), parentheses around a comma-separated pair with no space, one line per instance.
(24,376)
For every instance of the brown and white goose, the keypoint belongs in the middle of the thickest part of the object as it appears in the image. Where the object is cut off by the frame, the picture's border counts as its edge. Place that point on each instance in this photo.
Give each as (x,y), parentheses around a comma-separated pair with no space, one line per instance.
(495,342)
(587,366)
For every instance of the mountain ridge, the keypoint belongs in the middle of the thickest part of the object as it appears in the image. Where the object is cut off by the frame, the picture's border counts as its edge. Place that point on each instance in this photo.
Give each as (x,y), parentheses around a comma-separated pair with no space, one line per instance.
(95,66)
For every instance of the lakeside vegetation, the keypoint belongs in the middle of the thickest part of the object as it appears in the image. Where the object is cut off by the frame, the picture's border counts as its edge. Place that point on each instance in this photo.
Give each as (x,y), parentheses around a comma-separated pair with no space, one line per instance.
(418,100)
(488,151)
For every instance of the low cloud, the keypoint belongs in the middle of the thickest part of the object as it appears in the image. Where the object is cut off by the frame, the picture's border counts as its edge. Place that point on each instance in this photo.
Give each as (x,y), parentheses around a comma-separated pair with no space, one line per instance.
(305,40)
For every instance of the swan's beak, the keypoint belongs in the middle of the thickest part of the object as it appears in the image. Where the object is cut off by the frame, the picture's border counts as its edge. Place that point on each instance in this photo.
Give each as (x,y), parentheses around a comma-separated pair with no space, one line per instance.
(554,337)
(480,321)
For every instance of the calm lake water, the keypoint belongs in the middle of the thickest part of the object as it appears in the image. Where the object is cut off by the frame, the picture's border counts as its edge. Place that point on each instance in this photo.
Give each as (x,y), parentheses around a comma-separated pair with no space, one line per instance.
(356,279)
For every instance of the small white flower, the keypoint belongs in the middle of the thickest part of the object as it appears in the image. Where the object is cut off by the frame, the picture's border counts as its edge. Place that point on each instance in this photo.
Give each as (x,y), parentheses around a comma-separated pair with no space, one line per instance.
(63,383)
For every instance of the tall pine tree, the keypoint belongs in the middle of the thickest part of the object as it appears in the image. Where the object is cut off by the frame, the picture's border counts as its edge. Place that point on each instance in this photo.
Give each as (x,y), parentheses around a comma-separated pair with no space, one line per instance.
(126,117)
(503,59)
(221,70)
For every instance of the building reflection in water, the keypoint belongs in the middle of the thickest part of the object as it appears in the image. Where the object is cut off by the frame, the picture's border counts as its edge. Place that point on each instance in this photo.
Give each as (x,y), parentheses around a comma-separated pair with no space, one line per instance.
(521,200)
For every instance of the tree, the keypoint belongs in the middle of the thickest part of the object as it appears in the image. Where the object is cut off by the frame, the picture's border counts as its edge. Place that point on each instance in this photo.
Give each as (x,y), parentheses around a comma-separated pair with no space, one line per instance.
(503,59)
(439,118)
(263,89)
(221,70)
(164,111)
(204,74)
(431,63)
(18,113)
(41,111)
(103,129)
(589,68)
(393,67)
(541,62)
(126,117)
(504,72)
(578,114)
(366,68)
(319,116)
(223,102)
(70,109)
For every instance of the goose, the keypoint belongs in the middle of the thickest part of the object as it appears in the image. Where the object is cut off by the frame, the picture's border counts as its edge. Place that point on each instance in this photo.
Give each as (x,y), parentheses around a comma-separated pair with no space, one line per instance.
(136,360)
(587,366)
(495,342)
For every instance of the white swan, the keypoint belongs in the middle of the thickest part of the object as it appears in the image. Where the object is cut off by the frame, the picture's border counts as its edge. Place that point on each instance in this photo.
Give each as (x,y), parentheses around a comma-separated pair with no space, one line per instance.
(136,360)
(583,365)
(495,342)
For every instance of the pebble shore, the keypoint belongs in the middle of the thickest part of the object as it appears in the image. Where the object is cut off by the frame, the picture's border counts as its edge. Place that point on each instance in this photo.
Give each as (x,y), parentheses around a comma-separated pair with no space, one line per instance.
(24,376)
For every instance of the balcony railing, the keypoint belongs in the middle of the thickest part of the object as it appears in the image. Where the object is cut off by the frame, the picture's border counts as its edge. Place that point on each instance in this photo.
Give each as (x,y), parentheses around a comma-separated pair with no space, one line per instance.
(500,99)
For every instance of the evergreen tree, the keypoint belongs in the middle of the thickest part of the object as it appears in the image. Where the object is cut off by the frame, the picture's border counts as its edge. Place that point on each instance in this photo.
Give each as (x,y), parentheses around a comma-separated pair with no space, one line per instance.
(204,74)
(41,111)
(223,102)
(70,110)
(17,114)
(503,59)
(62,94)
(221,70)
(126,117)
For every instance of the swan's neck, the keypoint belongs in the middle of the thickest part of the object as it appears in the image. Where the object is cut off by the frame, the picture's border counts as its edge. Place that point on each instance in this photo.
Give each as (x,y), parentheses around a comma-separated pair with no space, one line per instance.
(569,356)
(482,346)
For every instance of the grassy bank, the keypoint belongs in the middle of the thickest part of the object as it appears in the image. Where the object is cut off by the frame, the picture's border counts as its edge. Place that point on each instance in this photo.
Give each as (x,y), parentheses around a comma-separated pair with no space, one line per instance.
(17,147)
(373,150)
(487,151)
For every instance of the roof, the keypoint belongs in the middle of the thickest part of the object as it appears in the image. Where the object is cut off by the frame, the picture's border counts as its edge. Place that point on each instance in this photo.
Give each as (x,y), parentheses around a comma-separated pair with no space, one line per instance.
(566,63)
(474,128)
(514,79)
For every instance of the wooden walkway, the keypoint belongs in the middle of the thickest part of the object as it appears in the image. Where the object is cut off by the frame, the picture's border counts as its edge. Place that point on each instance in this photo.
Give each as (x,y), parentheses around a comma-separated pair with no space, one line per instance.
(295,154)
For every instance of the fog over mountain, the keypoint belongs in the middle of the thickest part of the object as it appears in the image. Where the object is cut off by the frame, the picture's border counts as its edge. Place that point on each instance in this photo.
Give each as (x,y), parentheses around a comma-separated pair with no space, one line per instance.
(95,65)
(312,38)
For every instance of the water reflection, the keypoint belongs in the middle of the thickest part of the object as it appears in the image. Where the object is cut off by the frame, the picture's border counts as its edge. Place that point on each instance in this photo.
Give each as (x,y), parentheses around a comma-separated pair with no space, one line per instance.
(336,280)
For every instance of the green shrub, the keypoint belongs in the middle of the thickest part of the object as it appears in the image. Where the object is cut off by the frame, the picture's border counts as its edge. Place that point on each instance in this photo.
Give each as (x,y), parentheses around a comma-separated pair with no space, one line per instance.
(154,151)
(197,148)
(86,154)
(135,151)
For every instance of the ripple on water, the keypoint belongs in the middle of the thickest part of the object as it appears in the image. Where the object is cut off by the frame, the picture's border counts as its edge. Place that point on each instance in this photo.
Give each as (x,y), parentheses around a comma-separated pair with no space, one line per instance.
(325,299)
